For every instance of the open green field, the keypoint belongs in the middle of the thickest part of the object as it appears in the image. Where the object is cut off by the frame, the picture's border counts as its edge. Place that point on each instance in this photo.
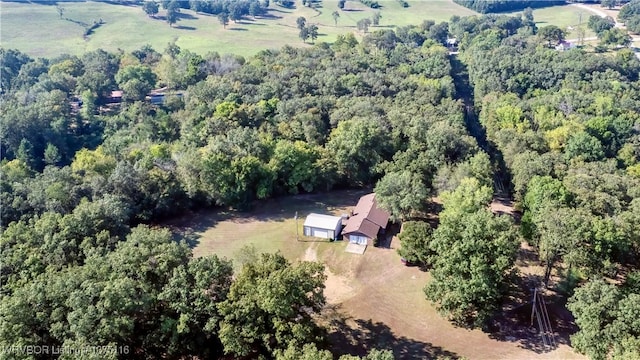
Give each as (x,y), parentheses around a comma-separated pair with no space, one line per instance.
(373,300)
(566,17)
(37,28)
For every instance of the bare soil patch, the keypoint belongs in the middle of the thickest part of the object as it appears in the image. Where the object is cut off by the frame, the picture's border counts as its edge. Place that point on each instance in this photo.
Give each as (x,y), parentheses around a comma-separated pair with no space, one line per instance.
(388,310)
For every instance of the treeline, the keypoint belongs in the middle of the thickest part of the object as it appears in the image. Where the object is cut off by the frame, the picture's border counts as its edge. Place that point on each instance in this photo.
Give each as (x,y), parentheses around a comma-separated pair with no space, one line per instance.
(494,6)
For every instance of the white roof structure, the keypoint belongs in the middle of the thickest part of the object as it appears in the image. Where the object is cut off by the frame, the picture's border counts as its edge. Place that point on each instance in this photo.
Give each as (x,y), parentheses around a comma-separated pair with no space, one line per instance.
(322,221)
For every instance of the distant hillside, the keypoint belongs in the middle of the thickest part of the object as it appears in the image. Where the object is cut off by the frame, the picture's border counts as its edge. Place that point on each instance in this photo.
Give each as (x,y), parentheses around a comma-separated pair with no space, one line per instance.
(491,6)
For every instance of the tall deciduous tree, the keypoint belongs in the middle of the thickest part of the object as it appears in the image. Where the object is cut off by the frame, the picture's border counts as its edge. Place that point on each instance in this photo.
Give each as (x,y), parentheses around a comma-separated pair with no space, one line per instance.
(192,294)
(150,8)
(136,81)
(401,193)
(552,33)
(223,17)
(270,306)
(477,249)
(415,242)
(313,32)
(301,22)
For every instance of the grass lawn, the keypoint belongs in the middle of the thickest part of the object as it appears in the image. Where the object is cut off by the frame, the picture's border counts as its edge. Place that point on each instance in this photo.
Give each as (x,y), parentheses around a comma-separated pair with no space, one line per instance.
(270,227)
(373,300)
(38,29)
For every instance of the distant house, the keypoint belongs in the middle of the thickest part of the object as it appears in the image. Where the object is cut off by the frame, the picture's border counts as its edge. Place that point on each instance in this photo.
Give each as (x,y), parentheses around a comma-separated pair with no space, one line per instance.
(367,222)
(322,226)
(564,45)
(115,96)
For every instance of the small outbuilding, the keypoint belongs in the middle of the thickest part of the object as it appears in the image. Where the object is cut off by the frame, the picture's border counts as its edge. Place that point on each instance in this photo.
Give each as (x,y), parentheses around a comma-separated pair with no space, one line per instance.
(564,46)
(322,226)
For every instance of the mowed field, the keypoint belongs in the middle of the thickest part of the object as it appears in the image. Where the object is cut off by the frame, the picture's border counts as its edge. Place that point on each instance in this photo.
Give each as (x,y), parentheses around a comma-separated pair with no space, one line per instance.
(373,300)
(37,28)
(566,17)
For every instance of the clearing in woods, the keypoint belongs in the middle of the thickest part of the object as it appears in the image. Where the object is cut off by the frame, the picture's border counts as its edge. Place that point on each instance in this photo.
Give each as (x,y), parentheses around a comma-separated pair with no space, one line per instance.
(373,300)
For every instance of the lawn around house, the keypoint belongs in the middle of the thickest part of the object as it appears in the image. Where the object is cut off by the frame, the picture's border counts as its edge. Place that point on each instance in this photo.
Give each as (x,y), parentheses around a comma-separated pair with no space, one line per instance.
(373,300)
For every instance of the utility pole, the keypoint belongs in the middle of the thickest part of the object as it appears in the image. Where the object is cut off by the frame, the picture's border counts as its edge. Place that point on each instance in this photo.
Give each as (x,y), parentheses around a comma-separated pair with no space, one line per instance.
(297,235)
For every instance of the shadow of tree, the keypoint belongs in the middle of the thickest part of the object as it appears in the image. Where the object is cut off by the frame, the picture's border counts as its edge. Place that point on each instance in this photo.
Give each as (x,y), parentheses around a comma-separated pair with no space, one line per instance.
(186,16)
(515,323)
(182,27)
(348,336)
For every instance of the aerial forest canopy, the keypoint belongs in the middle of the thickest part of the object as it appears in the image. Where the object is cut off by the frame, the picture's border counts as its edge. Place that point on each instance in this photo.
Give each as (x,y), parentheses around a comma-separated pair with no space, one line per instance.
(90,161)
(82,172)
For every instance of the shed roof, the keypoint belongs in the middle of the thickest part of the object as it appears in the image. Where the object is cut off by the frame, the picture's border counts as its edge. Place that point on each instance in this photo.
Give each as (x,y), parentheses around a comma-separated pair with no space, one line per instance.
(322,221)
(368,207)
(367,217)
(360,224)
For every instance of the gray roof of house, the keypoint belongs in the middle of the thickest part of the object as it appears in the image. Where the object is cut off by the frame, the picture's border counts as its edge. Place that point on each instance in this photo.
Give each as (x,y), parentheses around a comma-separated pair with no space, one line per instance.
(322,221)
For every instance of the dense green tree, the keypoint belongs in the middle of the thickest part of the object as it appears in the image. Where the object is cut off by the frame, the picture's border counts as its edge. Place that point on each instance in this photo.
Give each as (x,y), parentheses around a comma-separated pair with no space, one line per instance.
(296,166)
(415,242)
(551,33)
(582,146)
(12,61)
(313,32)
(192,293)
(255,9)
(607,319)
(172,16)
(363,25)
(235,12)
(99,75)
(593,305)
(401,194)
(223,17)
(614,36)
(477,249)
(304,34)
(357,146)
(301,22)
(150,8)
(609,4)
(136,81)
(269,306)
(599,24)
(629,10)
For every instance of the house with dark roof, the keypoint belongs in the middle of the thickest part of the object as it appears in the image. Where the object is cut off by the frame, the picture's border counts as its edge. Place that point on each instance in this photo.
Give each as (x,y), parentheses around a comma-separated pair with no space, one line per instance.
(366,223)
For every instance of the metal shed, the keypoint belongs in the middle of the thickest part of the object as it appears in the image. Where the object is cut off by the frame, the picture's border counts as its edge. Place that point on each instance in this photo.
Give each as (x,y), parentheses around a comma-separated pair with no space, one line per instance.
(322,226)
